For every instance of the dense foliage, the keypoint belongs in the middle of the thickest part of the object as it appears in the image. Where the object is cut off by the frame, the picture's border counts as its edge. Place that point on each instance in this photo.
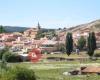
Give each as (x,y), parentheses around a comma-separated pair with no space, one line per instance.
(17,73)
(81,43)
(39,34)
(8,56)
(62,48)
(91,45)
(49,33)
(69,43)
(2,52)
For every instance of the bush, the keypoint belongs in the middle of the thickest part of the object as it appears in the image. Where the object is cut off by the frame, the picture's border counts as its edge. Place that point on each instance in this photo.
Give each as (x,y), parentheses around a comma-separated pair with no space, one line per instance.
(45,52)
(97,55)
(14,58)
(62,48)
(18,73)
(25,74)
(9,57)
(2,52)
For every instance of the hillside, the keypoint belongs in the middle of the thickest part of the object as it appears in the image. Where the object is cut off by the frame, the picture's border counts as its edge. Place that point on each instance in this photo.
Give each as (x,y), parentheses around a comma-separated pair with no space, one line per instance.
(14,28)
(92,26)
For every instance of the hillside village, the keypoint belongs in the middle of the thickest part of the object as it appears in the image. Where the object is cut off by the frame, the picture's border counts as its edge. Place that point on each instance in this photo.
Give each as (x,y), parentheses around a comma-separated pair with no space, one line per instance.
(36,48)
(23,42)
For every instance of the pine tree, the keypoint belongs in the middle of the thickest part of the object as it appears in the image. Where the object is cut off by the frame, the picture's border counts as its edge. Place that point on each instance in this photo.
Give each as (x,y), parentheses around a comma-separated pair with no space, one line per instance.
(69,43)
(91,44)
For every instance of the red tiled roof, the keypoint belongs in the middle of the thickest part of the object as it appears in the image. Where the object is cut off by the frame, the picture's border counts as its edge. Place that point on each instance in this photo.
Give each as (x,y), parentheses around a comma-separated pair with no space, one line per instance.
(91,69)
(8,43)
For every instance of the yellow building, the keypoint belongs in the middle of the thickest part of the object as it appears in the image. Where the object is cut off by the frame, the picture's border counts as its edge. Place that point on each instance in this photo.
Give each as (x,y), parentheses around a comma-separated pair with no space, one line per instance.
(31,32)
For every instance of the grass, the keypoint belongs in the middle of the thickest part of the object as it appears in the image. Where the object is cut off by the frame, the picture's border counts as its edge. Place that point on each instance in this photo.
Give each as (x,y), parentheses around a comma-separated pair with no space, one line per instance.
(53,70)
(73,55)
(57,74)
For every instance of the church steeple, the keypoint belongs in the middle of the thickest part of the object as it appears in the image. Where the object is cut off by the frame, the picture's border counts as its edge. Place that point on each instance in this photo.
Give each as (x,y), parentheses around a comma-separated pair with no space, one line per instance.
(38,26)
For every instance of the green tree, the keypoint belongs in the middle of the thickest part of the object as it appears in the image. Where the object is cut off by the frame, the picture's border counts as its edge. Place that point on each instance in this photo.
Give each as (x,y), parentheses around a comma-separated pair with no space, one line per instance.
(39,34)
(2,29)
(91,44)
(2,52)
(3,58)
(62,47)
(81,43)
(69,43)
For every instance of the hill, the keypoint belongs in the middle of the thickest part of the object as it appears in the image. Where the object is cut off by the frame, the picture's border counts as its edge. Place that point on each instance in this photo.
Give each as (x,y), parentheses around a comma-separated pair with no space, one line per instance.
(21,29)
(14,28)
(91,26)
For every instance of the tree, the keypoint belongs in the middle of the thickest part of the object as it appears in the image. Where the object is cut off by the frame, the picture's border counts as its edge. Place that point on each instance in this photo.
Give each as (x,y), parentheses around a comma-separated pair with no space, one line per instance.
(39,34)
(2,29)
(69,43)
(2,52)
(62,47)
(2,57)
(91,44)
(81,43)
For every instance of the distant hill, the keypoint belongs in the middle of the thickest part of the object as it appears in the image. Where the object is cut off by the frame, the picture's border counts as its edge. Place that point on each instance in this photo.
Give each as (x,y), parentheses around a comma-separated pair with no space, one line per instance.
(21,29)
(92,26)
(14,28)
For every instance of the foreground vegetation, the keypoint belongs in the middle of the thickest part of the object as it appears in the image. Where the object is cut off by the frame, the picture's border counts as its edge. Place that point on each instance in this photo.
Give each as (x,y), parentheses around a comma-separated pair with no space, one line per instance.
(47,69)
(16,73)
(54,70)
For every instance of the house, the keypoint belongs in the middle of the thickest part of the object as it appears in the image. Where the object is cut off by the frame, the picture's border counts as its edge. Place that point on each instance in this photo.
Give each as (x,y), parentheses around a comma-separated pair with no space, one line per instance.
(49,46)
(31,32)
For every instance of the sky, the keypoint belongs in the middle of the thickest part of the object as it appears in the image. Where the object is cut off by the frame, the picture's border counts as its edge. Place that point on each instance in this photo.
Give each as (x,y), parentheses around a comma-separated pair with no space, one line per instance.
(49,13)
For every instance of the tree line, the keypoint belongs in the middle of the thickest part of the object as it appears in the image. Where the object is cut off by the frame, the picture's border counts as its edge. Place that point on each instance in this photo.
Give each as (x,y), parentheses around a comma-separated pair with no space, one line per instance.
(90,42)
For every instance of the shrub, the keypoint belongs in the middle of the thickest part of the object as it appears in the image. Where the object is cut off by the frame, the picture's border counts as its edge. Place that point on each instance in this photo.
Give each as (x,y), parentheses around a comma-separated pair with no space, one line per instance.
(97,55)
(25,74)
(18,73)
(62,48)
(14,58)
(45,52)
(2,52)
(81,43)
(9,57)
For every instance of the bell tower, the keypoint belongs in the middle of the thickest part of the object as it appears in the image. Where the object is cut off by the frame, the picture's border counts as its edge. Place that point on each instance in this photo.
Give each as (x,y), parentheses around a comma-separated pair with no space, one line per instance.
(38,26)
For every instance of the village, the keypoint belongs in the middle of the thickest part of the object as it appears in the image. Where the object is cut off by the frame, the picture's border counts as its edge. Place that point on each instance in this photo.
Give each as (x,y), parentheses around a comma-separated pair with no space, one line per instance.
(21,43)
(50,48)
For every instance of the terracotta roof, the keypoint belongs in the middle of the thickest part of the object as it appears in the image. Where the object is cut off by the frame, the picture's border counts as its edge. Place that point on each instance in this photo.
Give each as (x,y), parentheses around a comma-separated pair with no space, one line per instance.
(91,69)
(8,43)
